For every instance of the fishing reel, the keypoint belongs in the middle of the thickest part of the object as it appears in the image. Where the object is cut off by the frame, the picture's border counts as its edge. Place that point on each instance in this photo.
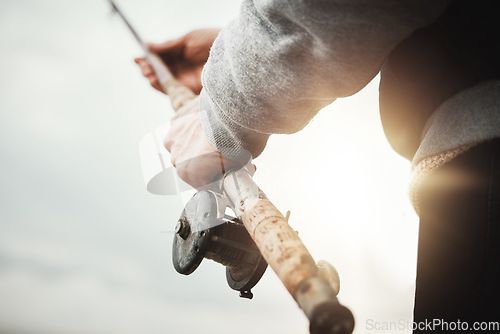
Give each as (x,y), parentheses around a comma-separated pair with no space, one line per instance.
(205,231)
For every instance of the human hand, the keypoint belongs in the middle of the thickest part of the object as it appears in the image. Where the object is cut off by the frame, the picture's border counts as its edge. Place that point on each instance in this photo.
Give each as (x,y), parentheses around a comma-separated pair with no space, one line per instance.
(185,57)
(197,161)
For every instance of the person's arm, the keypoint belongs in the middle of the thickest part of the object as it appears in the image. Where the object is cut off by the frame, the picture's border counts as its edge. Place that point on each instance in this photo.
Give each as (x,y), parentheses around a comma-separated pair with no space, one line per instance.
(272,69)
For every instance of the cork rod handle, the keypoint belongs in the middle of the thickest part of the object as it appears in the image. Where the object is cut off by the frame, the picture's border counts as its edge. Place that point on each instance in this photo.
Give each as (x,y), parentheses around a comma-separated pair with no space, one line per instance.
(178,93)
(313,288)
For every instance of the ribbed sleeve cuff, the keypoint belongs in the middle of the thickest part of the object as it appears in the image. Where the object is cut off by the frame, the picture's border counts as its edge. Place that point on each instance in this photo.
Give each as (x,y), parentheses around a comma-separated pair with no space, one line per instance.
(234,141)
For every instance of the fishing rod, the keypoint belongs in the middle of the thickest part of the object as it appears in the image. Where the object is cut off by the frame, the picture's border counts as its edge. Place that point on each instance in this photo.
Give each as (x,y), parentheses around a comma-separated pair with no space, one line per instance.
(259,234)
(179,94)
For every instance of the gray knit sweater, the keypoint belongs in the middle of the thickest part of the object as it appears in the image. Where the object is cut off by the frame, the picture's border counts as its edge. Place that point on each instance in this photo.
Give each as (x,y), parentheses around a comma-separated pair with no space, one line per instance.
(274,67)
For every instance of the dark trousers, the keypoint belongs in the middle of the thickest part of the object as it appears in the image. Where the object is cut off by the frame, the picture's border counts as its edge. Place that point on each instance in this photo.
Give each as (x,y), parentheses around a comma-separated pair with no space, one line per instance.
(458,270)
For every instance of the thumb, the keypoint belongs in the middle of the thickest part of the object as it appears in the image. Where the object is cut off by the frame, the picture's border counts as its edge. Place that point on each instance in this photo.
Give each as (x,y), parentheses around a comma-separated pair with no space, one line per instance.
(173,46)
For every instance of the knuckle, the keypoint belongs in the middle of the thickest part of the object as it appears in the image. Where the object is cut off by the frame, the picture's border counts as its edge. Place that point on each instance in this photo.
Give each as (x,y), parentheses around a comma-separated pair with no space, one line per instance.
(167,143)
(185,174)
(144,65)
(153,80)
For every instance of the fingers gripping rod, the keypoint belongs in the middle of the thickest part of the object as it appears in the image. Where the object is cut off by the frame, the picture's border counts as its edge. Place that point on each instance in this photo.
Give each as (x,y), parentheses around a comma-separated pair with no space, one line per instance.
(310,285)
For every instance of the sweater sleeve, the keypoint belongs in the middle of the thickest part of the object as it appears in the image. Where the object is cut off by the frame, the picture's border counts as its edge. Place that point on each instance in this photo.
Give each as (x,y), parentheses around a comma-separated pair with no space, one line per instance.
(274,67)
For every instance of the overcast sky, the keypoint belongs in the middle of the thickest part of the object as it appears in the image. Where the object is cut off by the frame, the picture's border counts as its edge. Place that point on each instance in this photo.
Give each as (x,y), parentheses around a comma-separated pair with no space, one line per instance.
(82,248)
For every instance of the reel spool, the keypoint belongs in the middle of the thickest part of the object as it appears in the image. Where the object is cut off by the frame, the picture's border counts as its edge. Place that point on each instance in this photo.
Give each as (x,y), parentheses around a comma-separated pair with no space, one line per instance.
(201,234)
